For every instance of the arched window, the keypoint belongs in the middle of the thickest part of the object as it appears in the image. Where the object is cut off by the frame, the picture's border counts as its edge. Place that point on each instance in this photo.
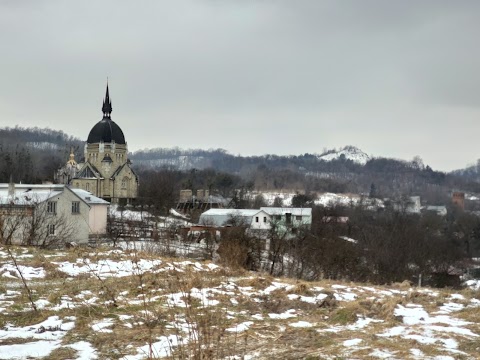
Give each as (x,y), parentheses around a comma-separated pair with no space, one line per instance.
(87,186)
(125,183)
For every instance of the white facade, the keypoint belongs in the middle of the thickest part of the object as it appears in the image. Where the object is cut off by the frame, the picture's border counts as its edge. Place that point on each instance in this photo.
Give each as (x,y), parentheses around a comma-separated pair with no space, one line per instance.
(284,219)
(410,205)
(97,218)
(45,214)
(251,218)
(294,217)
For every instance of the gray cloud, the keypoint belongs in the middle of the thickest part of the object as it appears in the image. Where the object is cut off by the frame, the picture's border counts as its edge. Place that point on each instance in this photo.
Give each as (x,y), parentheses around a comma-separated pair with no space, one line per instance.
(394,78)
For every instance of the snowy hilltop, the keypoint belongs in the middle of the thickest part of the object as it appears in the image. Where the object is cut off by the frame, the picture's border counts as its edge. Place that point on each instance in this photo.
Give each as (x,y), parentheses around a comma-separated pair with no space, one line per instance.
(348,153)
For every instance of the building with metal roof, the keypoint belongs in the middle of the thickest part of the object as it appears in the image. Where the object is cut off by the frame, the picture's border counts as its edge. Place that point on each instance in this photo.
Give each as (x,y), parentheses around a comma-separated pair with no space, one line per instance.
(283,220)
(49,214)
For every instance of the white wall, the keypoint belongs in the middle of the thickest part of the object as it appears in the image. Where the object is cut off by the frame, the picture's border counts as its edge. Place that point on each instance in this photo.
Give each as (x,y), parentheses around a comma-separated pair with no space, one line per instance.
(98,218)
(263,221)
(79,221)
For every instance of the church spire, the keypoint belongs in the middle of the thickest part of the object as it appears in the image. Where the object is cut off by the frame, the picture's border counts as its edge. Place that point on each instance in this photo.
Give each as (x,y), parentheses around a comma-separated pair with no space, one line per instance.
(107,105)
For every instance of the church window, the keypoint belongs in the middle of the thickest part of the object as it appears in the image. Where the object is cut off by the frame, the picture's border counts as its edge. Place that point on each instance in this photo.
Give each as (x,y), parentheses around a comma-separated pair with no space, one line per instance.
(124,183)
(87,186)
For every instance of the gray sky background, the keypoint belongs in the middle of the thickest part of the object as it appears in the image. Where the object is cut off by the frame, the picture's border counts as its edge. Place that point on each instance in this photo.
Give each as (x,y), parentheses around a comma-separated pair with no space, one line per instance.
(395,78)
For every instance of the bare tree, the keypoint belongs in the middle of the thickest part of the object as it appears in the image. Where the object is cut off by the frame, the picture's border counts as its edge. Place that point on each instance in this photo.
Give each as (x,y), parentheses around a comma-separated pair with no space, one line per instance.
(48,228)
(13,219)
(34,223)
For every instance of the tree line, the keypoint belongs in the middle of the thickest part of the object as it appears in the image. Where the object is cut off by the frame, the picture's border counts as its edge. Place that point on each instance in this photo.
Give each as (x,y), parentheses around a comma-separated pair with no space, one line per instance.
(25,159)
(379,247)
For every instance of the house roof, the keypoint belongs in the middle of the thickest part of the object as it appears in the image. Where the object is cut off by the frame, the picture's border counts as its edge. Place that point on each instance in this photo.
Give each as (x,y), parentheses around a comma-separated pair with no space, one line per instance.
(221,217)
(88,197)
(233,212)
(32,194)
(285,210)
(28,194)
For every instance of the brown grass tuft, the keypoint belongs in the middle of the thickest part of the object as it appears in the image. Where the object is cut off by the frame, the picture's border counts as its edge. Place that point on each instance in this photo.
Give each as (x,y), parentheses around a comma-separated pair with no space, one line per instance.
(301,288)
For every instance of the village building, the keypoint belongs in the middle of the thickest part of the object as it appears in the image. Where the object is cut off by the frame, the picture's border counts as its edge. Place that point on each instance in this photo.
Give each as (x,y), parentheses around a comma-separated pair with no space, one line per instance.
(282,220)
(203,200)
(50,214)
(251,218)
(66,173)
(293,218)
(106,171)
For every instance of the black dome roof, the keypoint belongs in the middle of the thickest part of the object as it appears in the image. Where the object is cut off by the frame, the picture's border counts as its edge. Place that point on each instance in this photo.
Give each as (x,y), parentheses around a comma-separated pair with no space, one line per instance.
(106,130)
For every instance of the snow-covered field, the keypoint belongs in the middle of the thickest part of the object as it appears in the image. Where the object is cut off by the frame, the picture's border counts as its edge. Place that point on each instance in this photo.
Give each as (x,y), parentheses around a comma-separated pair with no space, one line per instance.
(122,304)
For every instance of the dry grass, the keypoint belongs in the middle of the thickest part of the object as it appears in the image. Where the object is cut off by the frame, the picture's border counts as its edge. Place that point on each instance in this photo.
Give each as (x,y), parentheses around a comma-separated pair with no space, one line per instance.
(301,288)
(144,297)
(62,353)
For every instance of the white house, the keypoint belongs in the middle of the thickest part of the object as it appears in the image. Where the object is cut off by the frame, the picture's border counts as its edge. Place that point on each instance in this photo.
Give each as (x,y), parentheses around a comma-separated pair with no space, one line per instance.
(252,218)
(290,217)
(439,210)
(283,219)
(410,205)
(49,214)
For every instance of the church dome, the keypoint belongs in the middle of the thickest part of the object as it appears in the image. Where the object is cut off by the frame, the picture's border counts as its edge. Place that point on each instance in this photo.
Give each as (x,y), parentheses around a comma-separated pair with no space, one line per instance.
(106,130)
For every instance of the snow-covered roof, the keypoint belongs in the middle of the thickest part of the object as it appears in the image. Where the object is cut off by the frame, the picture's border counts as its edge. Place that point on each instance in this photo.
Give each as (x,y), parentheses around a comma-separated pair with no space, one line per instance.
(28,194)
(220,217)
(88,197)
(234,212)
(32,194)
(284,210)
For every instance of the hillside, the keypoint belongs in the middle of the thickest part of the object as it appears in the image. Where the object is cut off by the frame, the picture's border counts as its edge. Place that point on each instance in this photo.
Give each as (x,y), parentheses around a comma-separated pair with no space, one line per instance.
(351,153)
(117,304)
(32,155)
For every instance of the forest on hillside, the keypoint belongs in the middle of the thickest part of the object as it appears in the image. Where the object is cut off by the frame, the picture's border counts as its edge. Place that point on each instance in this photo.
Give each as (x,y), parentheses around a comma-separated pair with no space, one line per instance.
(31,155)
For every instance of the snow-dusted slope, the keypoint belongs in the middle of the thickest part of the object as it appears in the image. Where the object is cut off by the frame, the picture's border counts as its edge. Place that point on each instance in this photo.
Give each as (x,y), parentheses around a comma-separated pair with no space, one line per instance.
(329,319)
(350,153)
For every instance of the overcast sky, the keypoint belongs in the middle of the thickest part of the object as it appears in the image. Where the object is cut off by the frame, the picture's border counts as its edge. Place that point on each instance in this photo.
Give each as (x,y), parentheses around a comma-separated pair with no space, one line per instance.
(395,78)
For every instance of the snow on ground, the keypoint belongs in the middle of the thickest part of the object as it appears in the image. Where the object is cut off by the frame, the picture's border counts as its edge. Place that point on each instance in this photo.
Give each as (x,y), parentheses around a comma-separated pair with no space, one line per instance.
(84,349)
(473,284)
(39,339)
(159,349)
(147,217)
(28,272)
(323,199)
(362,322)
(110,268)
(175,213)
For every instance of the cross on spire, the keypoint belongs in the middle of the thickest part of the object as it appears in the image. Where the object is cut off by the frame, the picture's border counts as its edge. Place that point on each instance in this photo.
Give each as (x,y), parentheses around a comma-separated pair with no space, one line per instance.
(107,104)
